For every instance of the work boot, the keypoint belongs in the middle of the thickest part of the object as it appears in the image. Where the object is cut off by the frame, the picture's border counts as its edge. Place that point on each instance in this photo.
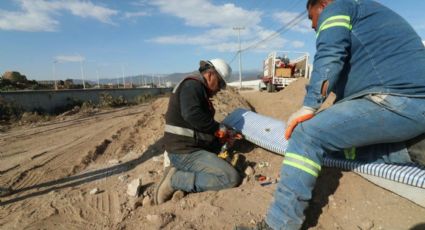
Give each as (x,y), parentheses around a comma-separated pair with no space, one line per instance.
(416,149)
(165,190)
(5,191)
(262,225)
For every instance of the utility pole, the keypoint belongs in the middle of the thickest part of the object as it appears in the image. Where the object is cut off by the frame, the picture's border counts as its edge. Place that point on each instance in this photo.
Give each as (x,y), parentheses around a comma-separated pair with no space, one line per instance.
(240,52)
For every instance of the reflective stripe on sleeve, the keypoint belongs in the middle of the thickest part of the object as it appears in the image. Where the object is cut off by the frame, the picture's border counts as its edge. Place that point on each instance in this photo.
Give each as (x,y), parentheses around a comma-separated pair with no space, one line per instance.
(179,130)
(350,154)
(334,21)
(302,163)
(188,133)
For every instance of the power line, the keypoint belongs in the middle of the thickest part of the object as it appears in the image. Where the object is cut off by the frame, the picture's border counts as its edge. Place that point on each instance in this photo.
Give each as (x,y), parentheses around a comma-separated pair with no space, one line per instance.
(281,30)
(295,21)
(234,57)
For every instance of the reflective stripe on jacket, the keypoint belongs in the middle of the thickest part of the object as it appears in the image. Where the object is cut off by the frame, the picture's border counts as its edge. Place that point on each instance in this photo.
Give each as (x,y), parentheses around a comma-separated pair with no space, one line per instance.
(365,48)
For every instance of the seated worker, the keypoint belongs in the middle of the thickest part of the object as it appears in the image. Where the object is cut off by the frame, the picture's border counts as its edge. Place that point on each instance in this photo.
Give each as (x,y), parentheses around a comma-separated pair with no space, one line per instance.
(189,135)
(374,61)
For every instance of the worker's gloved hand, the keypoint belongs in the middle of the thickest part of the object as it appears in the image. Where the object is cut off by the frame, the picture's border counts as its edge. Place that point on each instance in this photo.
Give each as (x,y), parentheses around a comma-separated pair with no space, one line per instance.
(227,135)
(221,133)
(303,114)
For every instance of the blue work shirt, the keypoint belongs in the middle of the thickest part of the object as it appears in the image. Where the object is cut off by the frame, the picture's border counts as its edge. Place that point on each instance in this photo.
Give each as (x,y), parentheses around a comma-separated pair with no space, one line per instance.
(365,48)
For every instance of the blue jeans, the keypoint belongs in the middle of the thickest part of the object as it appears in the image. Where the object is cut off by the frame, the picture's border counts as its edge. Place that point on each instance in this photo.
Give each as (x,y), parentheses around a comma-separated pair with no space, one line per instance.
(202,171)
(359,122)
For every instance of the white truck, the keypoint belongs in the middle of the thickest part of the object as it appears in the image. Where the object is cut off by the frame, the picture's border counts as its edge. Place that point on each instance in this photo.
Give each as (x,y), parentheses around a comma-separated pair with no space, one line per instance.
(280,68)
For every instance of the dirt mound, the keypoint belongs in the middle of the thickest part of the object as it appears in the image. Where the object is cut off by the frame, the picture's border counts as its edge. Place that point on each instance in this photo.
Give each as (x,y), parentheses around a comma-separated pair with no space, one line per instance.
(279,104)
(228,100)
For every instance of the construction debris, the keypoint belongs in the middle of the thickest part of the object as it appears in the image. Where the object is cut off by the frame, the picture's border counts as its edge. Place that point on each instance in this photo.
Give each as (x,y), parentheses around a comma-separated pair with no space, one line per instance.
(133,188)
(94,191)
(249,171)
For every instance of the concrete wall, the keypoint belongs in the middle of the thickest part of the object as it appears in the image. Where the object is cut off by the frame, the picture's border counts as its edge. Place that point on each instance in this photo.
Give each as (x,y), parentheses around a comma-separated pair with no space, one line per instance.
(50,100)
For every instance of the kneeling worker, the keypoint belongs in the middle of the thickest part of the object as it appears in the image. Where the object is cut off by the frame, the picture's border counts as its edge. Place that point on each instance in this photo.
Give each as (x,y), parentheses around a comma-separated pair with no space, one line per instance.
(189,135)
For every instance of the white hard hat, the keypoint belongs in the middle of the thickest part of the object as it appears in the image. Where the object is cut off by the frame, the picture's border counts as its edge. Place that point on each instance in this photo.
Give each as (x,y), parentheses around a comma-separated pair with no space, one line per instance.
(222,68)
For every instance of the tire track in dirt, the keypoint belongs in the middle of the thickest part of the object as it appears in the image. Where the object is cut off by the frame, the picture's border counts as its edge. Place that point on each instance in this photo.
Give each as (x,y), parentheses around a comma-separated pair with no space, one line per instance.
(9,169)
(23,175)
(11,154)
(24,133)
(68,152)
(64,148)
(33,163)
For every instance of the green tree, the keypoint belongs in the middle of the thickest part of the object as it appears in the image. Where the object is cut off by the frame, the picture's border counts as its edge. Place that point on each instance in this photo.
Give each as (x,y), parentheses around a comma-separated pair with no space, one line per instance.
(68,84)
(14,77)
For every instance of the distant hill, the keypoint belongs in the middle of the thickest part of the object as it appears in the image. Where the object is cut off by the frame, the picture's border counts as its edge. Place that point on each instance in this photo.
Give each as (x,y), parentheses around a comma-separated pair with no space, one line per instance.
(174,78)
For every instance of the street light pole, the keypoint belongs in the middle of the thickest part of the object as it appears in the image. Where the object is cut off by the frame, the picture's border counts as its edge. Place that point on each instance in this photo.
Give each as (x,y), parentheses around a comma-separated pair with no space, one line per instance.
(240,53)
(97,75)
(82,74)
(54,74)
(123,78)
(140,80)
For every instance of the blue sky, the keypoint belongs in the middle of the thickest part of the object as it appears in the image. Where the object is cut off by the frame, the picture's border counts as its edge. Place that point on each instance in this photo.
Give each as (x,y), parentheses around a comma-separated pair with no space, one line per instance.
(152,37)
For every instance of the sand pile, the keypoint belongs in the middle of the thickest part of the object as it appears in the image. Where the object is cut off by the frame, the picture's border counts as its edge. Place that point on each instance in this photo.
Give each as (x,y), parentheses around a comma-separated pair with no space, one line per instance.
(228,100)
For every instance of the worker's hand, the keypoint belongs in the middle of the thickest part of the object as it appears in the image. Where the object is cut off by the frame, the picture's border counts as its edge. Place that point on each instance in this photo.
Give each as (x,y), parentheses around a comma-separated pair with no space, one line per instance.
(303,114)
(221,133)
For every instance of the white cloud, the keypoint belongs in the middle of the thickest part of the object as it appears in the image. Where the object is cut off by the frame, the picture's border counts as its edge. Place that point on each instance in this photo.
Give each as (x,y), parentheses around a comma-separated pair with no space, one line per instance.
(69,58)
(182,39)
(423,42)
(38,15)
(28,21)
(201,13)
(224,39)
(135,14)
(89,10)
(286,17)
(297,44)
(219,21)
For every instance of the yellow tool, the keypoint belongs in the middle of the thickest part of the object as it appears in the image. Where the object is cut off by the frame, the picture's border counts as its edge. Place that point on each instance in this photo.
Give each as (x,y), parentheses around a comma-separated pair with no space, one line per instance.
(229,138)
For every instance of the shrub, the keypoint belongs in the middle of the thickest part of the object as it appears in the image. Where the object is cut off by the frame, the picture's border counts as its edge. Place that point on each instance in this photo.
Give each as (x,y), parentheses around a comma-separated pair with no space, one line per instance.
(9,111)
(106,100)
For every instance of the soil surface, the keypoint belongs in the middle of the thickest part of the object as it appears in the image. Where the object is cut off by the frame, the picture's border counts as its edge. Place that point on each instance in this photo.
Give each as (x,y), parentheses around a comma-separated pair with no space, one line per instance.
(73,172)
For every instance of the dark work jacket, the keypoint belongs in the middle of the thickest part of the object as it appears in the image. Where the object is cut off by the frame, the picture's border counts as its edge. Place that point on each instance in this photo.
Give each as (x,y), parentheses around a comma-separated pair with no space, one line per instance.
(190,108)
